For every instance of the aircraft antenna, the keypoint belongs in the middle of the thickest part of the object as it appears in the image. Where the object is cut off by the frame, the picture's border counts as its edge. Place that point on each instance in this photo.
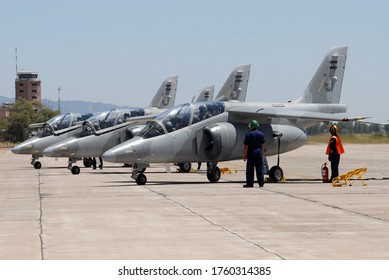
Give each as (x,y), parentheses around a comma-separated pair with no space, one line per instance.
(59,99)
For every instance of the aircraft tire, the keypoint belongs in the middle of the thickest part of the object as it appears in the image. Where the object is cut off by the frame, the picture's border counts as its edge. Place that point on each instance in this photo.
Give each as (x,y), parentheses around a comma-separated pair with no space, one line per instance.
(87,162)
(141,179)
(214,175)
(185,167)
(276,174)
(37,165)
(75,170)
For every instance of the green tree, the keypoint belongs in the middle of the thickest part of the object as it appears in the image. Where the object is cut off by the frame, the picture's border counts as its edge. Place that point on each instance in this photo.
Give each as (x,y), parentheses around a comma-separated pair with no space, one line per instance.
(23,113)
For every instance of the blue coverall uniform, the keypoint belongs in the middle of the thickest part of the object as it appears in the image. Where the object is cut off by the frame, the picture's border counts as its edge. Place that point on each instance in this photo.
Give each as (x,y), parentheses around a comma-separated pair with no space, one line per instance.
(254,140)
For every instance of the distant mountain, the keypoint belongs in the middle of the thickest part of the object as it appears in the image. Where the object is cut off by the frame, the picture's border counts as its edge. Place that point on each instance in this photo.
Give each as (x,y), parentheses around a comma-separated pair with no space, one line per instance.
(4,99)
(71,106)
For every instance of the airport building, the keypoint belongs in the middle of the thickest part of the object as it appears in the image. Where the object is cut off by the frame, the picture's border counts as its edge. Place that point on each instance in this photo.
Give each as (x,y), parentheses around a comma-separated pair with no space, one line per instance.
(5,110)
(28,86)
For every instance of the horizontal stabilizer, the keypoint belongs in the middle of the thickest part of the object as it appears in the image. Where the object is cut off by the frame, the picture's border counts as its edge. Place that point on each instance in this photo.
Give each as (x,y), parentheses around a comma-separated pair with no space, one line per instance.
(375,121)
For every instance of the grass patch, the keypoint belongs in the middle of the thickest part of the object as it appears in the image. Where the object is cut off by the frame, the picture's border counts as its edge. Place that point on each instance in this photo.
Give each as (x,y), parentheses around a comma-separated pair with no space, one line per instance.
(7,145)
(351,138)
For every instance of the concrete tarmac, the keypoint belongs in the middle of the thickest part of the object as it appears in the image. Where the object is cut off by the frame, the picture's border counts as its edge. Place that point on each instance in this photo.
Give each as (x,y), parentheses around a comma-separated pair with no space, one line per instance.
(103,214)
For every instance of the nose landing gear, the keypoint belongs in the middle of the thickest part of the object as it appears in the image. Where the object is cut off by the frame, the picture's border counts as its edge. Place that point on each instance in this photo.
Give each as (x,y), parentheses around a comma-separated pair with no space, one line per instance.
(275,173)
(35,162)
(137,173)
(213,172)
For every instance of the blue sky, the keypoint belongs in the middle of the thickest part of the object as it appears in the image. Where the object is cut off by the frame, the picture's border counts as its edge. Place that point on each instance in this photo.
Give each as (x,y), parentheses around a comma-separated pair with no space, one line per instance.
(120,51)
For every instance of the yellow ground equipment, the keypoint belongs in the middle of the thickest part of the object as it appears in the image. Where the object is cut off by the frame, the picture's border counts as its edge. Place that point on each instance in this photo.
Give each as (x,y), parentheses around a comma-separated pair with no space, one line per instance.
(349,178)
(227,170)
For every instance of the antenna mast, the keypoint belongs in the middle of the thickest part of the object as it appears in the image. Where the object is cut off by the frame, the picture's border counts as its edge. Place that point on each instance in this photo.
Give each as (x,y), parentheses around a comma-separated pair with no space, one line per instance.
(16,61)
(59,99)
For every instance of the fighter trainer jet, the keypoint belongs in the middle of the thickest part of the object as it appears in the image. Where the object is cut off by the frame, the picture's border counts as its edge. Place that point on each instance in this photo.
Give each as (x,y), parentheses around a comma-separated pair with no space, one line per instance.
(99,134)
(93,143)
(214,131)
(55,129)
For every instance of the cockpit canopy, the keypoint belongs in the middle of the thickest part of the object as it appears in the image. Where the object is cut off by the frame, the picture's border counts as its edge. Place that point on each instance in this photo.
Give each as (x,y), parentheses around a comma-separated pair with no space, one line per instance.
(62,122)
(181,116)
(108,119)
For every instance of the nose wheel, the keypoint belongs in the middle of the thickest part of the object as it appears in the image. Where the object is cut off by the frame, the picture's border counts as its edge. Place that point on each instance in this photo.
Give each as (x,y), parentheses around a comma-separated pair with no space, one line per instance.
(74,169)
(276,174)
(137,174)
(35,162)
(37,165)
(213,172)
(141,179)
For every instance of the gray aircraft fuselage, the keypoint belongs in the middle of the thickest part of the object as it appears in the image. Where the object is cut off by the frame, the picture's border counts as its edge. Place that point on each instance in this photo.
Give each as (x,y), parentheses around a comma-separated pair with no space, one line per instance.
(36,144)
(94,145)
(220,137)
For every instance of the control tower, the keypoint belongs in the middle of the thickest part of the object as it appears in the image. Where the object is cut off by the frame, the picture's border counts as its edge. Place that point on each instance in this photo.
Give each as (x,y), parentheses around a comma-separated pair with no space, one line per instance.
(28,86)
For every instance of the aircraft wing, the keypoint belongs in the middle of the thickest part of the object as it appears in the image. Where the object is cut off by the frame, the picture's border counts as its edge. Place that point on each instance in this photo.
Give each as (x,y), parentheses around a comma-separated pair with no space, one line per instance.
(375,121)
(267,114)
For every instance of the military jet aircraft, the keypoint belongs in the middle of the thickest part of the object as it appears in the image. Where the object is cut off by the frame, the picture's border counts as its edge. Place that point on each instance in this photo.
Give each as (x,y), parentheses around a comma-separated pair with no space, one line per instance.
(214,131)
(54,129)
(65,126)
(100,134)
(91,142)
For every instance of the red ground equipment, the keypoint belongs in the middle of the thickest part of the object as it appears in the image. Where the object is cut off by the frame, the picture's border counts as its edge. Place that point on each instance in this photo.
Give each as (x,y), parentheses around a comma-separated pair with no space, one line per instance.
(324,173)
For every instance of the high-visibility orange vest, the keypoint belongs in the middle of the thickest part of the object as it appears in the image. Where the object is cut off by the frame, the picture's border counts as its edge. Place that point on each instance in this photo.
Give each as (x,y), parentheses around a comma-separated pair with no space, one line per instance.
(339,146)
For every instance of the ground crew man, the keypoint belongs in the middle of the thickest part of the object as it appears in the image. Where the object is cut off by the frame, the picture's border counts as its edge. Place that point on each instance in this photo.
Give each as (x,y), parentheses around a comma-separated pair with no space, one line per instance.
(334,150)
(254,144)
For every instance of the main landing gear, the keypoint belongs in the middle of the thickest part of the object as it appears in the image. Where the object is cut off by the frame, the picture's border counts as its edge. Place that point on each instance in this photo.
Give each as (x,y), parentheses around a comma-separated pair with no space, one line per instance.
(213,173)
(185,167)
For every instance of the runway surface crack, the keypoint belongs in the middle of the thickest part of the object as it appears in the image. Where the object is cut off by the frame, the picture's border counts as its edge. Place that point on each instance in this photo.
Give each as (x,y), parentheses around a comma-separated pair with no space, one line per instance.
(40,217)
(260,246)
(329,205)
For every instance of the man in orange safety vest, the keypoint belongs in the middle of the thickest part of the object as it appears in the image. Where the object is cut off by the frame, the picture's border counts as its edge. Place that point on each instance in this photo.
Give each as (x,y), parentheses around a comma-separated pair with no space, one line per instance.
(334,150)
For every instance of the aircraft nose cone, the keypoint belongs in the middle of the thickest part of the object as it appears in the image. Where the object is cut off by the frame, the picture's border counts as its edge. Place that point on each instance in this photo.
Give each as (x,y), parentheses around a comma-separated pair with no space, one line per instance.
(22,149)
(62,150)
(15,150)
(109,156)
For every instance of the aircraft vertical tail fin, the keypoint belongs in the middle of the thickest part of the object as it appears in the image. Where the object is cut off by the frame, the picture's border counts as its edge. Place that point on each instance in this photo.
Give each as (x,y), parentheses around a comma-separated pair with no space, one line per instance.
(205,95)
(235,88)
(166,94)
(326,84)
